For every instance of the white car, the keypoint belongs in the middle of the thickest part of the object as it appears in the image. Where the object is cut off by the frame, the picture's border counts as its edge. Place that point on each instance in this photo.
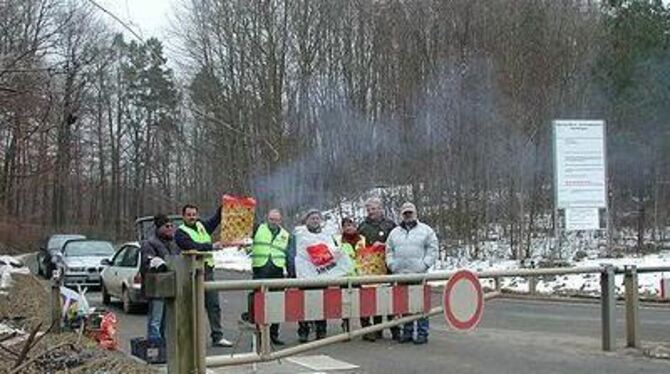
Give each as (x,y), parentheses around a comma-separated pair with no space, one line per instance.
(81,261)
(122,279)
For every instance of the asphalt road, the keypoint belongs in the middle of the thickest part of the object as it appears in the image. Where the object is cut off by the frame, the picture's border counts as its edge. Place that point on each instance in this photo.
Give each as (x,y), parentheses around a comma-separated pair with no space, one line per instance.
(514,337)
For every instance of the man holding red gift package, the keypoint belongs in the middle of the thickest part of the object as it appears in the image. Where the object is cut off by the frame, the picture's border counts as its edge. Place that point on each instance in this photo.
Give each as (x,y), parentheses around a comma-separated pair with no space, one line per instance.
(196,234)
(376,229)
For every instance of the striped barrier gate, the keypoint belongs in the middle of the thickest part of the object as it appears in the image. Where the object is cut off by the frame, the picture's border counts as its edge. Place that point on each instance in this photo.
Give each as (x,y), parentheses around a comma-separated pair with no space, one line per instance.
(294,305)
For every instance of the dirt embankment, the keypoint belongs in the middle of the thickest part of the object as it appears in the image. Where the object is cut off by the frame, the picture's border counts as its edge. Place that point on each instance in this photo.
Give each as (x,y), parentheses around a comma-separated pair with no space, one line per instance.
(27,345)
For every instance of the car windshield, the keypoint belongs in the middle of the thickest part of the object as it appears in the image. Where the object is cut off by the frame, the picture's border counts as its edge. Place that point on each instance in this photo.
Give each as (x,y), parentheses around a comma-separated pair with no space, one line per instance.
(88,248)
(57,241)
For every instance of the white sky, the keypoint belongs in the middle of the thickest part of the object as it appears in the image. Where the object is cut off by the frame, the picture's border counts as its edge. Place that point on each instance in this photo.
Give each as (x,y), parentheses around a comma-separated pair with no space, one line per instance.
(146,17)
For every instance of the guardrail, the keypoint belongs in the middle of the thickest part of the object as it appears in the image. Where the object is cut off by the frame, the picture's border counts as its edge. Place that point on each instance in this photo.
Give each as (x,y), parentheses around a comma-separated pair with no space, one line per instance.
(184,289)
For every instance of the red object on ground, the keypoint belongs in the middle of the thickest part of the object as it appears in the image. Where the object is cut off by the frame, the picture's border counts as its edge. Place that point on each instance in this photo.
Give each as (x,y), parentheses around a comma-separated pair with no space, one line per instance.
(107,337)
(320,254)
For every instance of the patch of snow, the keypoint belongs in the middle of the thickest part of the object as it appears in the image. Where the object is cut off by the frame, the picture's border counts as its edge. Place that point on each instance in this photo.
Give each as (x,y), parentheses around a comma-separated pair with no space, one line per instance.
(589,284)
(8,266)
(232,258)
(8,330)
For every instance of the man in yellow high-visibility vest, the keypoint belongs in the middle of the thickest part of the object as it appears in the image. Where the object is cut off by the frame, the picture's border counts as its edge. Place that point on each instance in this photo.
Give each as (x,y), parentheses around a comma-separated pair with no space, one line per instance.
(195,234)
(269,255)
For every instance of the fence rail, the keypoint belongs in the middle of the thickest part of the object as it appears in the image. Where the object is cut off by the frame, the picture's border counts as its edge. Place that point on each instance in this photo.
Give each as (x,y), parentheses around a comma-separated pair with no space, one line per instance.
(186,312)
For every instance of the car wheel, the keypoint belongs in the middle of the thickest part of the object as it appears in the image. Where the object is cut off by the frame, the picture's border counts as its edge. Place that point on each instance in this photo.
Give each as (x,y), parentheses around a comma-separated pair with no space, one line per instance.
(106,299)
(128,306)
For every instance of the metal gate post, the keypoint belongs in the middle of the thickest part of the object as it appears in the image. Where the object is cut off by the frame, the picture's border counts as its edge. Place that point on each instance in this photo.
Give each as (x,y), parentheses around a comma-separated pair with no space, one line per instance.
(498,284)
(607,302)
(532,285)
(264,332)
(632,307)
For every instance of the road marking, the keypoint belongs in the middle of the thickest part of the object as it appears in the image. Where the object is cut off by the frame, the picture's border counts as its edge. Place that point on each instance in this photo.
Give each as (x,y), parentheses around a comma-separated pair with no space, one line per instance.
(321,363)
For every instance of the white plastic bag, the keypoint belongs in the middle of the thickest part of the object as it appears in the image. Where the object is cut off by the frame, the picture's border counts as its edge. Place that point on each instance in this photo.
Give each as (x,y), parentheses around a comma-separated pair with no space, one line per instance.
(332,262)
(69,297)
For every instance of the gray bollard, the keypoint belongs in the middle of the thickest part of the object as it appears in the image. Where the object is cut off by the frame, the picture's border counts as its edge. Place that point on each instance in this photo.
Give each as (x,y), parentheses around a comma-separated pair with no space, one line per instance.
(632,307)
(607,302)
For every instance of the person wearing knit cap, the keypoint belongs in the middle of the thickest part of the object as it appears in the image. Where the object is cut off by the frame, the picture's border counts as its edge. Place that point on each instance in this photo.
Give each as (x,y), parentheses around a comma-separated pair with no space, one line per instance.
(153,254)
(316,256)
(312,220)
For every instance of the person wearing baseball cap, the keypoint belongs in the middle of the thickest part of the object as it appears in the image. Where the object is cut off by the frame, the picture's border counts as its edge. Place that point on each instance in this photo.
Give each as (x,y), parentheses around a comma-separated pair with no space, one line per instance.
(412,248)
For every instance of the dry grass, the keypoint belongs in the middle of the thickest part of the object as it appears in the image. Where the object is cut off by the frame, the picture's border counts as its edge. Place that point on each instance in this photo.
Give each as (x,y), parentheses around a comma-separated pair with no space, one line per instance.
(26,306)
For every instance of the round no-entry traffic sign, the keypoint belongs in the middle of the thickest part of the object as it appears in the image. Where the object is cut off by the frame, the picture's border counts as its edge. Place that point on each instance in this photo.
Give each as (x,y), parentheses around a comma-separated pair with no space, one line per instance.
(463,300)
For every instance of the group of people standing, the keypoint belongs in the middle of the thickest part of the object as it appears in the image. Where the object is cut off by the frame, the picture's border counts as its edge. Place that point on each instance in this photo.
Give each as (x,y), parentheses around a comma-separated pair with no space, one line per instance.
(410,247)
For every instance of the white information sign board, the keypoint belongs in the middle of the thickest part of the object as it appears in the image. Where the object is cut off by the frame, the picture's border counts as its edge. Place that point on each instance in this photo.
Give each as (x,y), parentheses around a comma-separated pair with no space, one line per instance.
(582,219)
(579,159)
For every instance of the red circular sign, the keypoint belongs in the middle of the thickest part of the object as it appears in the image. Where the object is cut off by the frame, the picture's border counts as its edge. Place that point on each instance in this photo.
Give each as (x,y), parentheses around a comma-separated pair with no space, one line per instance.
(463,300)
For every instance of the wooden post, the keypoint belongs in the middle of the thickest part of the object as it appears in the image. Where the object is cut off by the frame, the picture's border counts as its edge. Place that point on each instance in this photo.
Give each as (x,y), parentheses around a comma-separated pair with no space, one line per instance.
(181,320)
(56,302)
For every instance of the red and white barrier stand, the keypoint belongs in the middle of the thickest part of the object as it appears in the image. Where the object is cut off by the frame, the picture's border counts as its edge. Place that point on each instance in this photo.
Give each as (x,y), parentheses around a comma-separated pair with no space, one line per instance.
(293,305)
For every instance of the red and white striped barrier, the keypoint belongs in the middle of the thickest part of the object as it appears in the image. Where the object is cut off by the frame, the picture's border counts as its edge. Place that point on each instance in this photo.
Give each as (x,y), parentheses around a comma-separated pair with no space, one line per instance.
(665,288)
(293,305)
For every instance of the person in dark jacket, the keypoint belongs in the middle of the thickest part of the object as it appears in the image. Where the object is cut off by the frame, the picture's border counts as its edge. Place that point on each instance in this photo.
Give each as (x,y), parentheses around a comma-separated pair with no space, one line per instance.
(376,229)
(195,234)
(154,252)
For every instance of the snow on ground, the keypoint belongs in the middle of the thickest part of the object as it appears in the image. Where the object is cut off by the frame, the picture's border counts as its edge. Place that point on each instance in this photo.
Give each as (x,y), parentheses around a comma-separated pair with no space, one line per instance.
(587,284)
(8,330)
(8,266)
(232,258)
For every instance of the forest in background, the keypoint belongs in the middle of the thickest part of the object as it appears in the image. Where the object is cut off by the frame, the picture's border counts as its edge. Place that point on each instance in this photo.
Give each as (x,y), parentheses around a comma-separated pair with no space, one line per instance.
(313,103)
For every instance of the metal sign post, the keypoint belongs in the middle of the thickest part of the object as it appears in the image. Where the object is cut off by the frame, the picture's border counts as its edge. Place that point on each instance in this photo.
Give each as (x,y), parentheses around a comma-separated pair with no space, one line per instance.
(580,176)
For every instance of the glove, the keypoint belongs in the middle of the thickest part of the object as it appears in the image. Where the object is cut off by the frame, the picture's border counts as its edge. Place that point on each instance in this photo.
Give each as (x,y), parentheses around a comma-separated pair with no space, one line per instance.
(156,262)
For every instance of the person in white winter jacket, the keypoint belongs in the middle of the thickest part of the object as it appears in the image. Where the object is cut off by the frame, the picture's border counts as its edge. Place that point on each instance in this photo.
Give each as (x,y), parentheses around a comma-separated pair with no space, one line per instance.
(411,247)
